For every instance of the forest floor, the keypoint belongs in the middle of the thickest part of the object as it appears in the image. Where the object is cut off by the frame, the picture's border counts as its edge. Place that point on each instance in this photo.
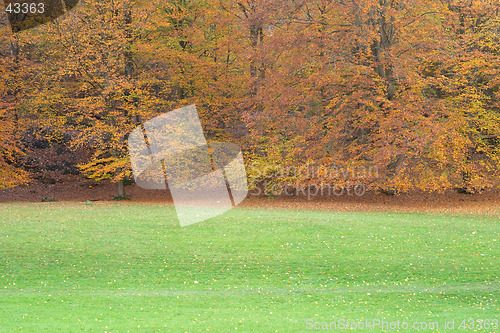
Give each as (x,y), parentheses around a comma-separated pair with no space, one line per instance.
(450,201)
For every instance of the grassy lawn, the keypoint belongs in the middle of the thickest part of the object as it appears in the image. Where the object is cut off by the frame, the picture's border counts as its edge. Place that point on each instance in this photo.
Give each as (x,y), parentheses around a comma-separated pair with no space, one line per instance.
(130,267)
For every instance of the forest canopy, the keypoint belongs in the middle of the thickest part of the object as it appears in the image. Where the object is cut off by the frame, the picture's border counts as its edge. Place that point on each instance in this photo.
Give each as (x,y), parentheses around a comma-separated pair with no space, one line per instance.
(409,87)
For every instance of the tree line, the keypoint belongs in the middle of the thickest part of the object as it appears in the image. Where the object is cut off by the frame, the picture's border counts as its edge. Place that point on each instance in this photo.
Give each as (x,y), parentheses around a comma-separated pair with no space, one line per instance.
(410,87)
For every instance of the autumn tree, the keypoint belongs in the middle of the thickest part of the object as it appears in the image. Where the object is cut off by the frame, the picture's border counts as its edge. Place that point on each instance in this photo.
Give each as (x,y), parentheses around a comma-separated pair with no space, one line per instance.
(337,83)
(203,65)
(16,71)
(105,89)
(349,85)
(471,86)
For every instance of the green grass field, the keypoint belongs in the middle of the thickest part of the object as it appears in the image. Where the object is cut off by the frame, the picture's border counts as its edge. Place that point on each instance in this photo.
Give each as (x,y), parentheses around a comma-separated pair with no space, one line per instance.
(131,268)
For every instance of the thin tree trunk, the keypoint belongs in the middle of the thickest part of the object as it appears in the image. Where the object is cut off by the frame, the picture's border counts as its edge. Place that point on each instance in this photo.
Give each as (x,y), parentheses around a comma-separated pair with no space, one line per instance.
(120,189)
(14,48)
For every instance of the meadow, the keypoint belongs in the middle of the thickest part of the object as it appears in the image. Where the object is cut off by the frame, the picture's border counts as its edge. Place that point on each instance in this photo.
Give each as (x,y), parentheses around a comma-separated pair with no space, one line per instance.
(125,267)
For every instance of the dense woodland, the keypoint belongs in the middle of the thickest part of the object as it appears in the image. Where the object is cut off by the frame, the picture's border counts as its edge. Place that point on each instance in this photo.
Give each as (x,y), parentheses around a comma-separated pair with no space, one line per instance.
(409,87)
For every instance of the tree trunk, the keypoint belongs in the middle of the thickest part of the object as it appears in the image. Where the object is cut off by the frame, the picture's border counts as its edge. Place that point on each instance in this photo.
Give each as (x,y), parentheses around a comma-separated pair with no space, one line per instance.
(14,49)
(256,73)
(128,54)
(120,189)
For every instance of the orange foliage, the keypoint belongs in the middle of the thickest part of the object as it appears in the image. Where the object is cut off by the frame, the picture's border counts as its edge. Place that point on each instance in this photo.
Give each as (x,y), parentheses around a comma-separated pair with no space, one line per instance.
(409,87)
